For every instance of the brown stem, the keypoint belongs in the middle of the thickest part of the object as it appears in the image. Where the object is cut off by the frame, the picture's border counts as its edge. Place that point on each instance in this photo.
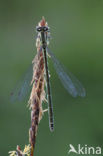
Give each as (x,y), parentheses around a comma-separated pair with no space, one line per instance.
(36,98)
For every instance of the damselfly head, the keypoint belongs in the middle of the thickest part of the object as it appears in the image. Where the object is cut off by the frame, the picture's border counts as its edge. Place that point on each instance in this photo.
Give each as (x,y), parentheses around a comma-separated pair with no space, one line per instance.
(42,26)
(42,29)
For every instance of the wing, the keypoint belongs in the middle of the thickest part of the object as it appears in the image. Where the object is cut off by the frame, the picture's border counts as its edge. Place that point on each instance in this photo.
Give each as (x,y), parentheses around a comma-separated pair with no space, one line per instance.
(69,81)
(23,87)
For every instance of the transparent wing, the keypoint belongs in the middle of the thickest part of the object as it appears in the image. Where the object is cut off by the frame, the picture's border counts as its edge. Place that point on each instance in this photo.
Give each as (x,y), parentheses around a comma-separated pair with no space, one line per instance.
(23,87)
(69,81)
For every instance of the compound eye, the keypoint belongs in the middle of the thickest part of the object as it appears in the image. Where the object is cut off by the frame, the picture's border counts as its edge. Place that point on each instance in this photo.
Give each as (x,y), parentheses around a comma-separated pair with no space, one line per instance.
(45,29)
(38,29)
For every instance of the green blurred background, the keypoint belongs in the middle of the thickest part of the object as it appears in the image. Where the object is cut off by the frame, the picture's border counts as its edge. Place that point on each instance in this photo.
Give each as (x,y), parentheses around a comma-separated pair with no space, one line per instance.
(77,40)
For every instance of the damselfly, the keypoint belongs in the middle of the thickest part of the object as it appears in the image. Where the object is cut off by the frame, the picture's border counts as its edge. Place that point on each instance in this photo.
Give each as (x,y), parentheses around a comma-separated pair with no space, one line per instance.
(70,83)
